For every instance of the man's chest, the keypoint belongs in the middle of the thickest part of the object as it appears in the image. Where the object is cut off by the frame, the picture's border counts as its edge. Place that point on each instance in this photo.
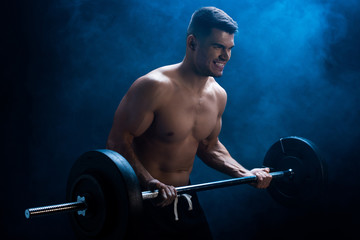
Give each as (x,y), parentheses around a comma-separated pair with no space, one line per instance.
(183,116)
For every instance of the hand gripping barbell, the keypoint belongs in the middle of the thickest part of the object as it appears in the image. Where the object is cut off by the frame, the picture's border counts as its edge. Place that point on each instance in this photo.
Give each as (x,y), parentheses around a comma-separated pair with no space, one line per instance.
(105,199)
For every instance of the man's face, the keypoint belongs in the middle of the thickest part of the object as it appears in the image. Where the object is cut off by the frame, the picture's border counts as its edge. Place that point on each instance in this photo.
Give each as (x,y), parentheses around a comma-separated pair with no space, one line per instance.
(213,52)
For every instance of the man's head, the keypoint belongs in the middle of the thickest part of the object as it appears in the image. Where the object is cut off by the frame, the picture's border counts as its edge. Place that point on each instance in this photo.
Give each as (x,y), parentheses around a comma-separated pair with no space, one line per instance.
(206,18)
(210,38)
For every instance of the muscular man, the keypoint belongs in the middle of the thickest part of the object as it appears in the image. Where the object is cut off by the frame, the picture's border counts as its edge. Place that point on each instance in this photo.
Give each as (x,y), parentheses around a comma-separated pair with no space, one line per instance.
(174,113)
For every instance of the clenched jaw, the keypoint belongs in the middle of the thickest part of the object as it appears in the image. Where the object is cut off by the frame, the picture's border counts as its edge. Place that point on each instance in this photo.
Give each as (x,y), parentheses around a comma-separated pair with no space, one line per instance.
(219,65)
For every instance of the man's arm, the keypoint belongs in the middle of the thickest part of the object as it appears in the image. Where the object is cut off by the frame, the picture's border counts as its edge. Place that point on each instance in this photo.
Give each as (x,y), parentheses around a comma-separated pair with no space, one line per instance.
(214,154)
(133,117)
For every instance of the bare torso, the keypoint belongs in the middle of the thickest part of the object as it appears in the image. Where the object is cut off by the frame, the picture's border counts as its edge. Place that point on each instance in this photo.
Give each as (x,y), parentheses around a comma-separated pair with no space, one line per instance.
(184,118)
(173,113)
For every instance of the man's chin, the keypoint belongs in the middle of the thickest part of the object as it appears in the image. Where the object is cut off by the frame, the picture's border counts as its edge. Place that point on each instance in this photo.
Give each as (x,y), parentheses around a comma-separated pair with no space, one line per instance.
(217,75)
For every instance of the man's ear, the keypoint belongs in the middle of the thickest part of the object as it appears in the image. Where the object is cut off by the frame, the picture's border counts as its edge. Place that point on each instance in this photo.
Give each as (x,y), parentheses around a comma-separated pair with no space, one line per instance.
(191,42)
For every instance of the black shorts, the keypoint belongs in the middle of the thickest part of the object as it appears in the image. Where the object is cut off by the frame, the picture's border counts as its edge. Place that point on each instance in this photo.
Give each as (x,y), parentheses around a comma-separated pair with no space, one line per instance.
(159,222)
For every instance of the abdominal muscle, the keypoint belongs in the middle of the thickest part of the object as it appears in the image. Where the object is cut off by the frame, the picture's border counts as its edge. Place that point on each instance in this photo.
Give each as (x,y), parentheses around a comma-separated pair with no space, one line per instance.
(169,162)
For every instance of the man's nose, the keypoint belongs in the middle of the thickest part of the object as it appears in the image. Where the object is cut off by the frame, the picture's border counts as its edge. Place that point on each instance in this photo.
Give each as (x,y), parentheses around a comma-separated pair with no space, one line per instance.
(225,54)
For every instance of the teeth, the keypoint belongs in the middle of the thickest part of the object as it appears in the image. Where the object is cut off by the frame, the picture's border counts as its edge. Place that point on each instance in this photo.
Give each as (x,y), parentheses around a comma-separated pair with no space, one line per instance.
(220,64)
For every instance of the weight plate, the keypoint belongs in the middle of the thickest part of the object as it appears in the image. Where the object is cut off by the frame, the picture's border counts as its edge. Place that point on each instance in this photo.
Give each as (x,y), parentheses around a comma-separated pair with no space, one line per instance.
(89,186)
(308,184)
(112,192)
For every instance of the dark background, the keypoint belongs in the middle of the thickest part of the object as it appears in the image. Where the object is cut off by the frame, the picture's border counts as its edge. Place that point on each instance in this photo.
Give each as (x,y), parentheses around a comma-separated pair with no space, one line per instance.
(295,70)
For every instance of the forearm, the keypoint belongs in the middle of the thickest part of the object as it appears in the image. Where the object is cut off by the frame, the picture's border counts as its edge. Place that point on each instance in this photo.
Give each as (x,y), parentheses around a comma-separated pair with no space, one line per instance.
(126,149)
(219,158)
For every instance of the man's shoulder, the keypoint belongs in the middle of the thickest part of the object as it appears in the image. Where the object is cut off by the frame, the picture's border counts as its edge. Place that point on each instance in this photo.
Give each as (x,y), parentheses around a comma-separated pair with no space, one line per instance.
(219,93)
(153,84)
(157,77)
(217,88)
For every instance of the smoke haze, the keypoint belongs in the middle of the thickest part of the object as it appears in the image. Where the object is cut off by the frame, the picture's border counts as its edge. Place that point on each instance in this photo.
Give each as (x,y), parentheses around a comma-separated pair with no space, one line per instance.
(295,70)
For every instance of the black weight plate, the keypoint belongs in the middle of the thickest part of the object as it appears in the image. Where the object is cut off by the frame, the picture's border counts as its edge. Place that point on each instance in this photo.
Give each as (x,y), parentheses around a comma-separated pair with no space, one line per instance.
(89,186)
(308,184)
(106,173)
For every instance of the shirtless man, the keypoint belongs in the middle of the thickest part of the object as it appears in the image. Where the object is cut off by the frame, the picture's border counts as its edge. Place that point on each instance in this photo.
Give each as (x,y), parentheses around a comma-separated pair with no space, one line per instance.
(174,113)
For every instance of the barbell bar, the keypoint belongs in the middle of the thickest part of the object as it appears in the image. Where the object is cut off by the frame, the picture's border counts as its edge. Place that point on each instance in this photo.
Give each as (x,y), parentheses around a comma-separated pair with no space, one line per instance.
(217,184)
(80,205)
(104,198)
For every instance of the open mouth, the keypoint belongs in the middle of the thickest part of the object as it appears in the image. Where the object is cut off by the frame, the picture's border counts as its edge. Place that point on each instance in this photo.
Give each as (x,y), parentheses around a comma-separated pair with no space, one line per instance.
(219,65)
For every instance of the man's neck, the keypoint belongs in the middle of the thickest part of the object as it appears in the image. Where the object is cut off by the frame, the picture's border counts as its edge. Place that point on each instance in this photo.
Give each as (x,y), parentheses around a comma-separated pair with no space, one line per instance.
(190,77)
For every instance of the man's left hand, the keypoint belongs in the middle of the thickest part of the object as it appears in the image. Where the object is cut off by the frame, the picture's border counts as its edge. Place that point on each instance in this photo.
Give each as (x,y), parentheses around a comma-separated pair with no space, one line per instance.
(263,177)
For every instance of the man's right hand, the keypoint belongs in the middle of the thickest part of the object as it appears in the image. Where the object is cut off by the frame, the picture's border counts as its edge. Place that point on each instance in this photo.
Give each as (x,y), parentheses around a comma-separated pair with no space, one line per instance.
(167,194)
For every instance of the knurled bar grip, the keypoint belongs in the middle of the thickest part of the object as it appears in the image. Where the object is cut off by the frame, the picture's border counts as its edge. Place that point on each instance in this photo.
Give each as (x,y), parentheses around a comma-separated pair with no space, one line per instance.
(81,204)
(217,184)
(59,208)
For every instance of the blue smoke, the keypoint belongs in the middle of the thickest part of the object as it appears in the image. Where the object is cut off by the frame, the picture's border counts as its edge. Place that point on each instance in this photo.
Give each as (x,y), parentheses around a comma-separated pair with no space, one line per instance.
(295,70)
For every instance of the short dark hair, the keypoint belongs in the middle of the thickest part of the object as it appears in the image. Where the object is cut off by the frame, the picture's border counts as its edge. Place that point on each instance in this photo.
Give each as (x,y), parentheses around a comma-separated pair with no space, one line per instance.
(206,18)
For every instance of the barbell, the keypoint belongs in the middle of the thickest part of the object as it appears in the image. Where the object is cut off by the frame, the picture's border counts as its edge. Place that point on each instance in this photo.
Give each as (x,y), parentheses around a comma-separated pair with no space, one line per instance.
(105,199)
